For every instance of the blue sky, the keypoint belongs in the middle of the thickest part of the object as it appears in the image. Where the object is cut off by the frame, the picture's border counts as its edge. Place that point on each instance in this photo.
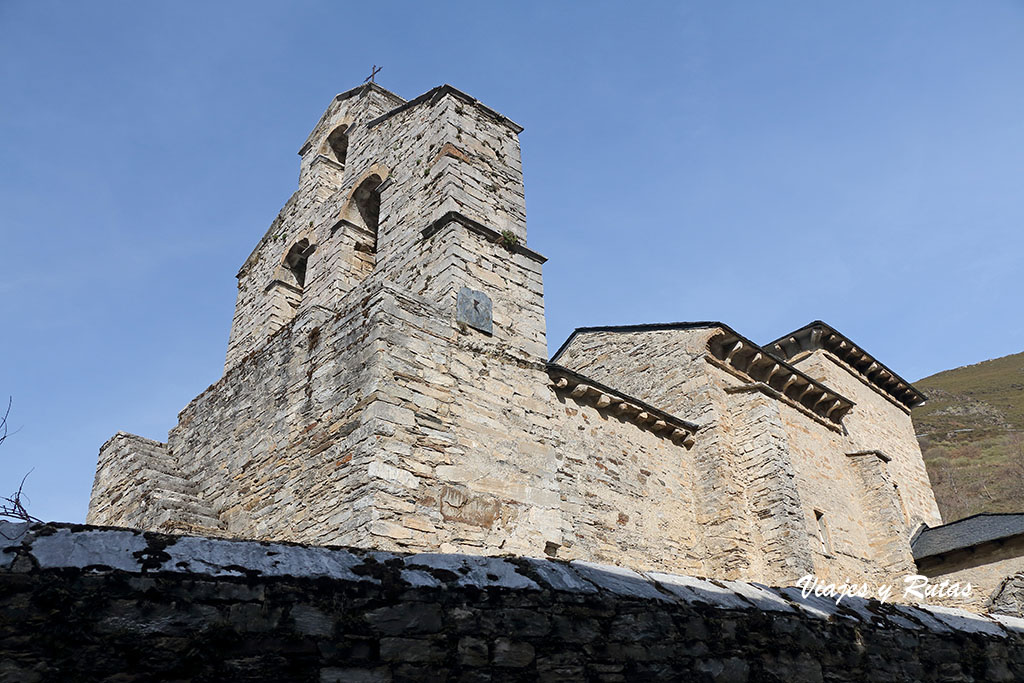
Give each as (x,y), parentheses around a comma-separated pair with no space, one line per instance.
(763,164)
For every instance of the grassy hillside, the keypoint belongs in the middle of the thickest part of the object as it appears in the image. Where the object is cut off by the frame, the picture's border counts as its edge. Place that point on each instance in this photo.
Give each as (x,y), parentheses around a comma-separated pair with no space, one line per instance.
(971,432)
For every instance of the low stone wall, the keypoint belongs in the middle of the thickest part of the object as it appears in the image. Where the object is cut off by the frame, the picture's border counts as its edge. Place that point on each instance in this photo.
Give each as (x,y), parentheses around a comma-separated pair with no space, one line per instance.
(92,603)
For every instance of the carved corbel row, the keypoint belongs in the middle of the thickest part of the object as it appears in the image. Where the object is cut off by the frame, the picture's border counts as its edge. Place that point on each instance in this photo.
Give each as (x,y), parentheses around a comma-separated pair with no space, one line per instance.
(621,406)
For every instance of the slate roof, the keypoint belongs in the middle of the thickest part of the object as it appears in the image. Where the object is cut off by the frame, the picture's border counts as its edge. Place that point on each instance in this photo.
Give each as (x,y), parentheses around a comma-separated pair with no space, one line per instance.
(644,327)
(965,533)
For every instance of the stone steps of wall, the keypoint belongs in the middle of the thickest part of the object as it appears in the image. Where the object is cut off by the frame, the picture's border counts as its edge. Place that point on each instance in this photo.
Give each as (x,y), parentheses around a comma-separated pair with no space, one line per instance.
(166,481)
(197,520)
(184,524)
(185,508)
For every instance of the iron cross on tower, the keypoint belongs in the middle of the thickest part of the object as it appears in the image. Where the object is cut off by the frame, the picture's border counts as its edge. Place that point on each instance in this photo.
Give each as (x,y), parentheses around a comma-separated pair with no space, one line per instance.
(373,72)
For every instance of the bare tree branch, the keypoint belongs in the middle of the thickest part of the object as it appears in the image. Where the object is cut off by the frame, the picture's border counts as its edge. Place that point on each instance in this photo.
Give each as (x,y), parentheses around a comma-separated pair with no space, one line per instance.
(3,421)
(13,506)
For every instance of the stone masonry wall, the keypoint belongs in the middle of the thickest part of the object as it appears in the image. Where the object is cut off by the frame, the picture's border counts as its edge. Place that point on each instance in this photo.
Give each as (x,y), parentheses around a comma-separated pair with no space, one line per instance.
(793,465)
(877,422)
(1008,598)
(884,528)
(391,427)
(764,466)
(452,257)
(664,368)
(987,567)
(483,456)
(281,446)
(829,484)
(627,495)
(466,458)
(814,474)
(137,484)
(771,489)
(93,604)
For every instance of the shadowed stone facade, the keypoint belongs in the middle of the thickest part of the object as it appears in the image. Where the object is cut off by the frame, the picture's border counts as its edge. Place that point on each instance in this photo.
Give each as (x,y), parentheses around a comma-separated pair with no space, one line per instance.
(986,550)
(387,386)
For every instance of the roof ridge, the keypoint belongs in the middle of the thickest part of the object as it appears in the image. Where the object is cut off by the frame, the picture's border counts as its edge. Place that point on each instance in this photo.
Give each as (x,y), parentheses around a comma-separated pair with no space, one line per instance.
(437,93)
(894,385)
(637,328)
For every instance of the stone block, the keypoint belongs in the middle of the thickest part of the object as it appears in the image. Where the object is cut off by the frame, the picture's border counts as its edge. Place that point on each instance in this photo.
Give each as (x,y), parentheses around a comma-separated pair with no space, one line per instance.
(311,621)
(349,675)
(511,653)
(473,652)
(619,580)
(410,618)
(690,589)
(411,650)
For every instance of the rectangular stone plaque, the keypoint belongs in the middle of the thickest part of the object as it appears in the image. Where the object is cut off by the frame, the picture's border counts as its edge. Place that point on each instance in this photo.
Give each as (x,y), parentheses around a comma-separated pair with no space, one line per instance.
(474,309)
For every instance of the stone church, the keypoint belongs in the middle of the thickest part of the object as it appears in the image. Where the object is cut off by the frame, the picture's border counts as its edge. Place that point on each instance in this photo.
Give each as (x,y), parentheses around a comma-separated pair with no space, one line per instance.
(387,386)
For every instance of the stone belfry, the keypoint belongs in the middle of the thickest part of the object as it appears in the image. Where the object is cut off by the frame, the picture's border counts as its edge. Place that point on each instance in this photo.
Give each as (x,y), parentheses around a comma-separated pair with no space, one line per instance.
(376,173)
(384,324)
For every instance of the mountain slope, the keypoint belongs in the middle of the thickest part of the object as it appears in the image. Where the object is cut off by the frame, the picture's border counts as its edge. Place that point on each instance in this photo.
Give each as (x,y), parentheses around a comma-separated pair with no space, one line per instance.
(971,432)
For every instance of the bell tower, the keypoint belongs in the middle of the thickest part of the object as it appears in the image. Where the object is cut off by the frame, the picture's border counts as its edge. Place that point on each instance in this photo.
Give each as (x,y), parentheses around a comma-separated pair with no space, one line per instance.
(380,181)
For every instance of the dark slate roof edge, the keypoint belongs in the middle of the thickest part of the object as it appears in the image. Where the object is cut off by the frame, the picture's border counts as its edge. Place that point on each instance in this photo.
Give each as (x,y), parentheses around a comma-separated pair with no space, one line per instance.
(792,368)
(666,416)
(646,327)
(364,88)
(476,226)
(822,323)
(941,545)
(921,528)
(435,94)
